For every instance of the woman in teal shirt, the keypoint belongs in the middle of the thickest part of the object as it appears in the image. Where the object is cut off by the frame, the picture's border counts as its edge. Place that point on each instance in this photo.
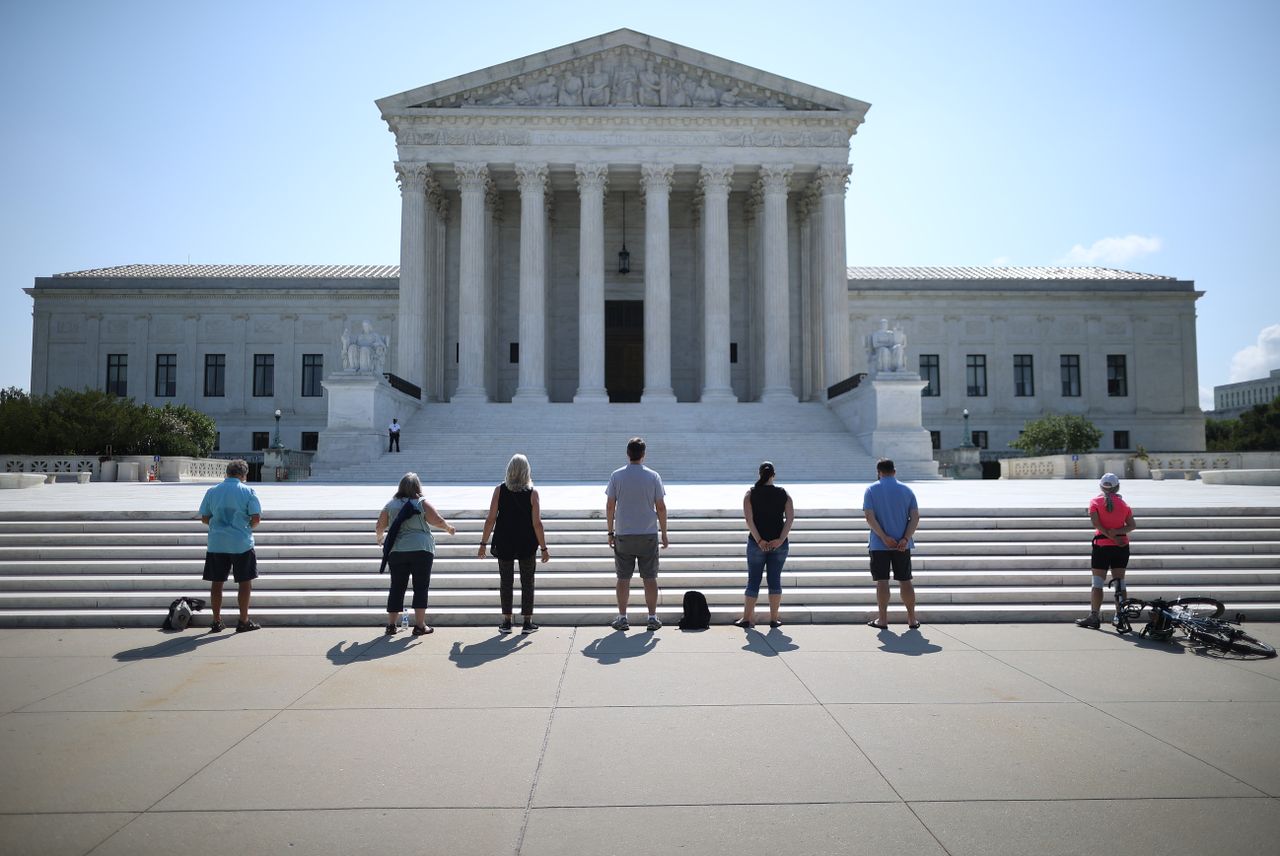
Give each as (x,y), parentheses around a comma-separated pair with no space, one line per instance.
(412,552)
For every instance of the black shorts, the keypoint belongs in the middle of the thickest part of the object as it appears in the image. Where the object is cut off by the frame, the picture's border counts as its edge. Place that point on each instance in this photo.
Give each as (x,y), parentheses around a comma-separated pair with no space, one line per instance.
(218,566)
(883,560)
(1108,557)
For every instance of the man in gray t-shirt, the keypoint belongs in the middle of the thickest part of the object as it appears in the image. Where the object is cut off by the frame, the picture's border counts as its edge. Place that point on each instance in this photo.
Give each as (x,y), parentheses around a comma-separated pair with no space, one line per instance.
(636,515)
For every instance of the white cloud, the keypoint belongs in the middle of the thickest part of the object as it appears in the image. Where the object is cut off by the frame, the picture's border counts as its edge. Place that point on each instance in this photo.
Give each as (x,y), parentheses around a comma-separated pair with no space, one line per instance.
(1112,251)
(1259,359)
(1206,398)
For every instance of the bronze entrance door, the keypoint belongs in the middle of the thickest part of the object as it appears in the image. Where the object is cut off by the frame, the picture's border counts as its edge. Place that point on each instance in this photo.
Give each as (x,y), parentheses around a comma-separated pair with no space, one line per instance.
(624,349)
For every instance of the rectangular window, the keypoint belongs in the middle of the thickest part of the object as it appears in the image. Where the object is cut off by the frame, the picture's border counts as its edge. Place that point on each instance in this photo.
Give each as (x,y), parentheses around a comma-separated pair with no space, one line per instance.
(930,370)
(1117,375)
(215,375)
(935,440)
(261,440)
(1121,439)
(975,375)
(166,375)
(310,441)
(1024,380)
(118,374)
(264,375)
(312,374)
(980,439)
(1070,375)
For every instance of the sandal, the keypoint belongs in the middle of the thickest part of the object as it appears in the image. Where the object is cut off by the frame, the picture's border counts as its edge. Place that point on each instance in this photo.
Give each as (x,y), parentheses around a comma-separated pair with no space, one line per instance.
(776,623)
(915,625)
(743,623)
(423,630)
(246,626)
(390,630)
(217,626)
(875,622)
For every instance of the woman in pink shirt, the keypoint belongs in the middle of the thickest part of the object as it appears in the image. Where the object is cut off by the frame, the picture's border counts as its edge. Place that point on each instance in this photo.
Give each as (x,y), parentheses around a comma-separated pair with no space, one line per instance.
(1112,522)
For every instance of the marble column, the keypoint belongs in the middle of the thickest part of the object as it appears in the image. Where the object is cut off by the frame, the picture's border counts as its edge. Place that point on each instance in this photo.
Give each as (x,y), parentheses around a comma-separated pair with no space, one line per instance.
(532,386)
(716,384)
(656,181)
(592,179)
(410,332)
(438,351)
(777,286)
(473,181)
(40,353)
(832,268)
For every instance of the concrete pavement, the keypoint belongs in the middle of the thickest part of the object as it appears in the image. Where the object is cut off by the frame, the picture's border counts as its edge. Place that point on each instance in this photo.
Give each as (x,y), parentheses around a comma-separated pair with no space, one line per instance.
(813,739)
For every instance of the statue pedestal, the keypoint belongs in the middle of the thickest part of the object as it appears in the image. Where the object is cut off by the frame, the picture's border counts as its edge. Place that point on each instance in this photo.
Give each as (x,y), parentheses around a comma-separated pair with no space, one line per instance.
(884,414)
(361,406)
(964,462)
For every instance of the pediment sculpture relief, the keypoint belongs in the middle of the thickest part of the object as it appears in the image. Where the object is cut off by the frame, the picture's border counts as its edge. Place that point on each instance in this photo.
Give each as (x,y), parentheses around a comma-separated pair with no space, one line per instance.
(623,78)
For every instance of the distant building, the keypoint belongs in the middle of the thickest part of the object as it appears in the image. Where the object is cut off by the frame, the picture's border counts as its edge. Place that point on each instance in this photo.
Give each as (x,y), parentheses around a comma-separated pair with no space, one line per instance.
(1232,399)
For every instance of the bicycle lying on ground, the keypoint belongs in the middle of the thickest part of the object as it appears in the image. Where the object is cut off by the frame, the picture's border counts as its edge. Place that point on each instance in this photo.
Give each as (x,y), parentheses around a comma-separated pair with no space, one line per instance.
(1197,617)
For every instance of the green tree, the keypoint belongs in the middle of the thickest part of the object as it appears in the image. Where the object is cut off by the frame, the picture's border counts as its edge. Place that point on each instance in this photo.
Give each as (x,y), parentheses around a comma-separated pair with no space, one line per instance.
(91,422)
(1257,430)
(1058,434)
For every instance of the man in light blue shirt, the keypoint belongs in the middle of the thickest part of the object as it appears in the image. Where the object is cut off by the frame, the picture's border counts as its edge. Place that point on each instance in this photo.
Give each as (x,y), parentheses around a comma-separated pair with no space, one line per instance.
(231,511)
(636,505)
(892,516)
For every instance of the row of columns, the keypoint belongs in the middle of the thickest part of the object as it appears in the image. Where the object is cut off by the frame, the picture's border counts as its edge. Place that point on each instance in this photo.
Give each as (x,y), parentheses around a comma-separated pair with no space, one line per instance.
(474,181)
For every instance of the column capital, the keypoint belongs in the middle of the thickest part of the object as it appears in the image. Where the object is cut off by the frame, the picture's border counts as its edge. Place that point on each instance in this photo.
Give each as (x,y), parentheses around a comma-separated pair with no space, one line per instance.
(833,179)
(776,178)
(807,202)
(715,178)
(656,177)
(412,177)
(473,177)
(592,176)
(532,177)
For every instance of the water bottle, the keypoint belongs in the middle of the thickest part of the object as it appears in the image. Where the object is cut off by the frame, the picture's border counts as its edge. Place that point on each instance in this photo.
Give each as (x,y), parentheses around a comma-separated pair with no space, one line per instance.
(404,621)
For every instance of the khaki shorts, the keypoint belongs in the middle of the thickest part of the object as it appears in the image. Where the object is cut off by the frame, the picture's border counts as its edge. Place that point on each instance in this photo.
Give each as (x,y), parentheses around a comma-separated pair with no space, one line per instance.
(630,550)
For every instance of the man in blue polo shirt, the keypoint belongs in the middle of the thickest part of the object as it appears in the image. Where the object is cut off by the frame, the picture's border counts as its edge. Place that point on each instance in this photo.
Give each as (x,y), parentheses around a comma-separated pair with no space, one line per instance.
(231,511)
(892,515)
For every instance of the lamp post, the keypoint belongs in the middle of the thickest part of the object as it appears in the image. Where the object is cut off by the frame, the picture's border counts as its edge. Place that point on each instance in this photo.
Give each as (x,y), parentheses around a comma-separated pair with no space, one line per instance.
(968,439)
(278,445)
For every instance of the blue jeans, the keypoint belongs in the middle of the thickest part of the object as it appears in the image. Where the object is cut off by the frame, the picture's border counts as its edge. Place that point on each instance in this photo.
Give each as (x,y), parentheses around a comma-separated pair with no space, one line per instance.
(759,563)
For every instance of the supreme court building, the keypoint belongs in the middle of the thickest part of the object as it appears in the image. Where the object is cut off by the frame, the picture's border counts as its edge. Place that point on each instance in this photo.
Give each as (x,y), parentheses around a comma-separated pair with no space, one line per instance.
(625,219)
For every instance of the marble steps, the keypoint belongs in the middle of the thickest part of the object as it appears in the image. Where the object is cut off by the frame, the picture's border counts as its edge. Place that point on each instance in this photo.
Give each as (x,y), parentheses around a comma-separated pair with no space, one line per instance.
(971,567)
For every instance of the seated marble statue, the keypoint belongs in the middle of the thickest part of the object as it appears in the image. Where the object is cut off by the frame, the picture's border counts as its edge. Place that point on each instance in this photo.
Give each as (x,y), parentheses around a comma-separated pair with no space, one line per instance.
(880,349)
(364,352)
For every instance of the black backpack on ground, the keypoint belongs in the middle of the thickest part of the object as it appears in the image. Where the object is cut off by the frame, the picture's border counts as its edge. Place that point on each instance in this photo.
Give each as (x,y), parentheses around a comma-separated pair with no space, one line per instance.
(180,612)
(697,616)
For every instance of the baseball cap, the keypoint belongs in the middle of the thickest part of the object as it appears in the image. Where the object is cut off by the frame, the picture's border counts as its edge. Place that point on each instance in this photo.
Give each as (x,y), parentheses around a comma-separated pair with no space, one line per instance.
(1110,481)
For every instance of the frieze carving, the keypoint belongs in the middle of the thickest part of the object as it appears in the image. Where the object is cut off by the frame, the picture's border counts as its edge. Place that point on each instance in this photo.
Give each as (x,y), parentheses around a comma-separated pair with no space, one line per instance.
(427,136)
(624,77)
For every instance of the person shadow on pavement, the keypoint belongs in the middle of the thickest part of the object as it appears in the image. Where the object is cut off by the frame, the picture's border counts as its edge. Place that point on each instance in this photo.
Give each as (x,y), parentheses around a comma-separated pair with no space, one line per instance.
(340,656)
(170,647)
(617,646)
(912,643)
(486,651)
(769,644)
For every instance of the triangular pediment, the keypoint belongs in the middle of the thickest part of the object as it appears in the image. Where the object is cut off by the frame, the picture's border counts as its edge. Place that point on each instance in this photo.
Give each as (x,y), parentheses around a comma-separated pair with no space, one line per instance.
(623,69)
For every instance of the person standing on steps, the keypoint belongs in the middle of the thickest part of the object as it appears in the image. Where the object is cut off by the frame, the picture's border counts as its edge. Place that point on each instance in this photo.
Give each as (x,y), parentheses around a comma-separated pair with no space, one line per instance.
(892,515)
(393,436)
(412,553)
(769,514)
(232,511)
(636,515)
(1112,522)
(515,519)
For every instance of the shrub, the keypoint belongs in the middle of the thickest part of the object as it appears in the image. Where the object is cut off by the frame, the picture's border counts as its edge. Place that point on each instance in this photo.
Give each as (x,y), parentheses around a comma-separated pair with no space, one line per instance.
(1058,434)
(91,422)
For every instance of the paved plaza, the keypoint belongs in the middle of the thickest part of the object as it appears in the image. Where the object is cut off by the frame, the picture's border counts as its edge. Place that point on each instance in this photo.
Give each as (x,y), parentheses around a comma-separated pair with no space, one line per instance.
(807,739)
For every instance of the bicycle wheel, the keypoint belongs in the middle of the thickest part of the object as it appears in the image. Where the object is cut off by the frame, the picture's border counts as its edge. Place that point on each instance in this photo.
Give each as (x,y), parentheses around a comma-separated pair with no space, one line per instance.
(1224,637)
(1201,607)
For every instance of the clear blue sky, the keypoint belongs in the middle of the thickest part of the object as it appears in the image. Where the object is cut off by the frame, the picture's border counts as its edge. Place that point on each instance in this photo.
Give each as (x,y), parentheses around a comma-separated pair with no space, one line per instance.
(1140,135)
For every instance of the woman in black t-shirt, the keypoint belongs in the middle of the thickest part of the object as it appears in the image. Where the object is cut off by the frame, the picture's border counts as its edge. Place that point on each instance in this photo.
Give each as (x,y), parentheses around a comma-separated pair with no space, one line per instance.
(516,523)
(769,515)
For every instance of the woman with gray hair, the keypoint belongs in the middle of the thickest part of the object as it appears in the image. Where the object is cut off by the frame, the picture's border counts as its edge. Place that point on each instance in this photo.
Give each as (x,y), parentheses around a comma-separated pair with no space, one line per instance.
(516,523)
(412,551)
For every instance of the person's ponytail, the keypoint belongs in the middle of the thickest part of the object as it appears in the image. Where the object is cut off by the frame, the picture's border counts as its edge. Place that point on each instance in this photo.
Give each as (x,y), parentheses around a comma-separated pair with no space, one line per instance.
(766,472)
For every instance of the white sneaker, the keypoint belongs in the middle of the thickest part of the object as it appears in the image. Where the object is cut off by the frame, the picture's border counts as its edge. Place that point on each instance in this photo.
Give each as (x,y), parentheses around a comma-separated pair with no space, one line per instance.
(620,623)
(654,622)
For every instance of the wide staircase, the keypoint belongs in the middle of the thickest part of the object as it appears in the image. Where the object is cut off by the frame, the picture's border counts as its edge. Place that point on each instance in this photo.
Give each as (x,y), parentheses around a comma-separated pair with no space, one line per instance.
(471,443)
(320,568)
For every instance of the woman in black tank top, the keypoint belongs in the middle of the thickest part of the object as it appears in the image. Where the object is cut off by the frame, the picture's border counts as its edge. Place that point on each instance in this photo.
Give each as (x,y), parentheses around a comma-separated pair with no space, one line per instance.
(516,523)
(769,515)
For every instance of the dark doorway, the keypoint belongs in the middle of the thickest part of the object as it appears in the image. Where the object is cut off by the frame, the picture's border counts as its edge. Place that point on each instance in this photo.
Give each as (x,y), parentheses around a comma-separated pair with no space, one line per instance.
(624,349)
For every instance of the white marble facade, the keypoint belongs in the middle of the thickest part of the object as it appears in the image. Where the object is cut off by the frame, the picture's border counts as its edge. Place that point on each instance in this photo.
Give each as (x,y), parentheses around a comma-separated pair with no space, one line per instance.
(520,183)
